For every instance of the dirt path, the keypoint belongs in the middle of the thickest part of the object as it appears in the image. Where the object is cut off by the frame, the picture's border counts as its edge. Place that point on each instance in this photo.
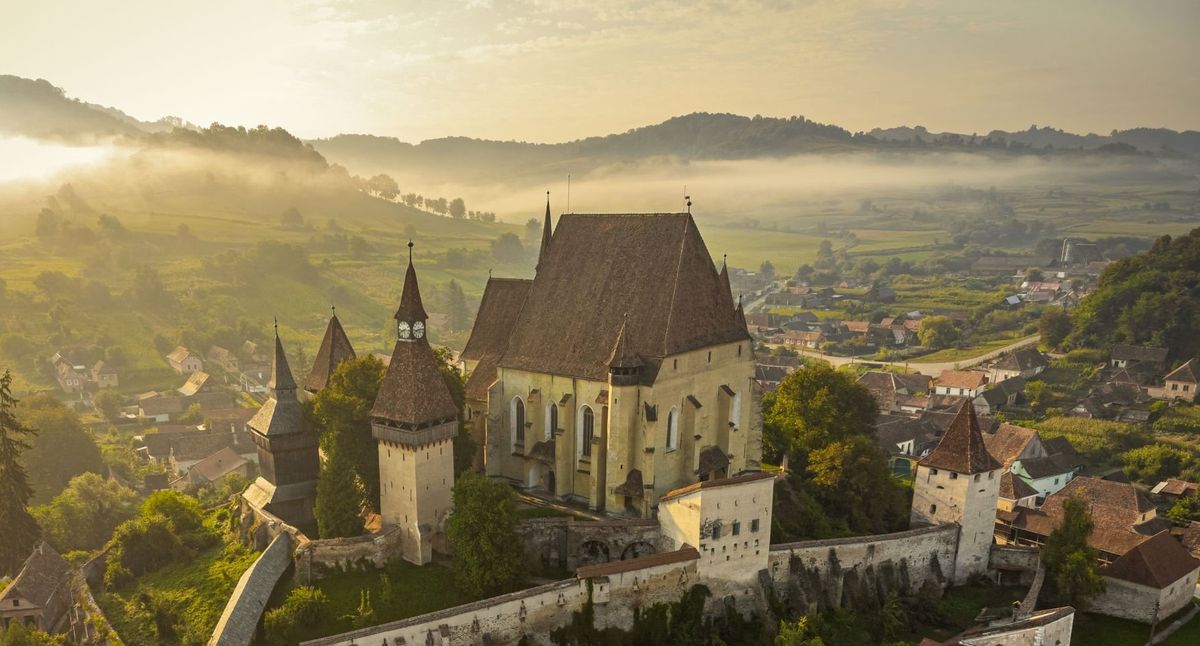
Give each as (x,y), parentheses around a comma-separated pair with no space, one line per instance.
(930,368)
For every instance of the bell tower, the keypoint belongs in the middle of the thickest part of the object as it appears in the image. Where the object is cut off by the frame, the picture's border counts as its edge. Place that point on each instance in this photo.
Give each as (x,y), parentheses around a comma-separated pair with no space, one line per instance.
(414,420)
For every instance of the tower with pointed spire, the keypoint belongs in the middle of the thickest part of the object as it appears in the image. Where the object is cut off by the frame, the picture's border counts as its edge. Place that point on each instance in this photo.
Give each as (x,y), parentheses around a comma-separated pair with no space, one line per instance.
(335,348)
(287,449)
(546,234)
(959,482)
(414,420)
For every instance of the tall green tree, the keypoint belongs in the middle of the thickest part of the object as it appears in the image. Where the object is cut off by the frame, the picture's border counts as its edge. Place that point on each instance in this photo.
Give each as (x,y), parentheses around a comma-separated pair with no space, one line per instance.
(1072,564)
(456,307)
(1054,325)
(337,492)
(342,413)
(62,449)
(20,529)
(813,406)
(937,332)
(483,532)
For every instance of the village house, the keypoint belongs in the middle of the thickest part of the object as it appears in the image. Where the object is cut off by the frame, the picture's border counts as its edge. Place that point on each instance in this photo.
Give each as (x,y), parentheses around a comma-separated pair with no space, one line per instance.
(40,595)
(1123,517)
(651,390)
(75,377)
(1173,489)
(180,450)
(1180,383)
(1124,355)
(159,408)
(1026,363)
(213,469)
(960,383)
(1044,467)
(898,393)
(184,361)
(1000,396)
(103,375)
(1152,581)
(201,388)
(1112,400)
(227,360)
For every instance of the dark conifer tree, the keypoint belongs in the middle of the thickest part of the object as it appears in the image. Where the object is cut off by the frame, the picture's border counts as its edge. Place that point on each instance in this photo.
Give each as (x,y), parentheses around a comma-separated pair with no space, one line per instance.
(20,529)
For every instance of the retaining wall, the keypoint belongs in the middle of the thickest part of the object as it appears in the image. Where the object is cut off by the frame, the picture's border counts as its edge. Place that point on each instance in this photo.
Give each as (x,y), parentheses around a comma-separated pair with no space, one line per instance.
(557,544)
(245,607)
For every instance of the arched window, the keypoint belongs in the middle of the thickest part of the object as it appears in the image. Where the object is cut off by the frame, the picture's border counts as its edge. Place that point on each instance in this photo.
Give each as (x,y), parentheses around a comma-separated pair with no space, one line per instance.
(735,409)
(587,431)
(673,429)
(551,420)
(518,420)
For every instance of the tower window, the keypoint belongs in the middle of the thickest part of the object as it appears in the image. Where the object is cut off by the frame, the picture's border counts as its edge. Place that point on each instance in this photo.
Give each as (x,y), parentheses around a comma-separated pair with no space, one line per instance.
(933,509)
(736,528)
(754,526)
(587,432)
(673,429)
(953,475)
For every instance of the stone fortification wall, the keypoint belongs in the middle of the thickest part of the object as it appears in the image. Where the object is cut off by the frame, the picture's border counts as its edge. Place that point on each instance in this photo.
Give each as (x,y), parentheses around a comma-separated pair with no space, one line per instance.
(239,621)
(88,625)
(1013,564)
(535,612)
(556,544)
(859,572)
(314,559)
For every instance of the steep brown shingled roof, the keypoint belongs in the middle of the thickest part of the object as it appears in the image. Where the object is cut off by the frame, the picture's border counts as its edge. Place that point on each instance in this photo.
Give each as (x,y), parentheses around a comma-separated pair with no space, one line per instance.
(411,308)
(281,372)
(335,348)
(1008,441)
(43,573)
(498,311)
(1014,488)
(654,266)
(281,413)
(962,449)
(413,392)
(1157,562)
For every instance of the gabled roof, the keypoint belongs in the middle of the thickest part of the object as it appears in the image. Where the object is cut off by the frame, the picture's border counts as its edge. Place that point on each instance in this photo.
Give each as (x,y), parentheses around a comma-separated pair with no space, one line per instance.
(194,384)
(1046,467)
(1113,504)
(281,414)
(195,445)
(961,379)
(335,348)
(219,464)
(1023,359)
(1008,442)
(653,266)
(498,311)
(1014,488)
(962,449)
(179,354)
(1157,562)
(1127,352)
(886,386)
(1185,373)
(43,573)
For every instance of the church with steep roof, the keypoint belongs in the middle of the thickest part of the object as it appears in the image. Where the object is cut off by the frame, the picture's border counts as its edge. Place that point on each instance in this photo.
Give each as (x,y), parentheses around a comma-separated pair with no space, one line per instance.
(621,371)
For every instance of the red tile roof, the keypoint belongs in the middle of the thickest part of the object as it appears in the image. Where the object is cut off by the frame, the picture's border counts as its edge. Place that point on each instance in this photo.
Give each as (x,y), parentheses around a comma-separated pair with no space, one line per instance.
(962,448)
(1157,562)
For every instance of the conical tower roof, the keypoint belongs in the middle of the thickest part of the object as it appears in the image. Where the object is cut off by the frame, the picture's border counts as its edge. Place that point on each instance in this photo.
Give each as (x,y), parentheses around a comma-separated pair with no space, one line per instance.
(739,314)
(623,355)
(281,372)
(961,449)
(726,292)
(546,233)
(411,308)
(335,348)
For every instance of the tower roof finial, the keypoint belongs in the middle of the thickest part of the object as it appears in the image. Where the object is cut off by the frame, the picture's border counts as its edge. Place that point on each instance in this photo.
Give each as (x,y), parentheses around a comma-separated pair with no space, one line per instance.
(410,246)
(546,233)
(411,308)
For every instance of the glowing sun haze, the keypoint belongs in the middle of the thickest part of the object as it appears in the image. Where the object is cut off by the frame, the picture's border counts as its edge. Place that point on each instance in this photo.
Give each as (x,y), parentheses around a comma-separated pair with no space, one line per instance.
(550,70)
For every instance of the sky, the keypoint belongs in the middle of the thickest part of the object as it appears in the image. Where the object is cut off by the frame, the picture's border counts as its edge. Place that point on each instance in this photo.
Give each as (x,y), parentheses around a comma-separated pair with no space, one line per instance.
(556,70)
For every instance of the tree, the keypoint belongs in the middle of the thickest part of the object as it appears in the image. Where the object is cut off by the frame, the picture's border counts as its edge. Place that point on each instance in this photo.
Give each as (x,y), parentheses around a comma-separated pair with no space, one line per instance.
(342,413)
(148,287)
(47,224)
(767,270)
(456,307)
(813,406)
(62,449)
(141,545)
(181,511)
(1185,510)
(85,514)
(337,495)
(384,186)
(1072,564)
(1034,276)
(20,529)
(457,208)
(109,404)
(507,249)
(937,332)
(482,531)
(19,634)
(1054,325)
(291,218)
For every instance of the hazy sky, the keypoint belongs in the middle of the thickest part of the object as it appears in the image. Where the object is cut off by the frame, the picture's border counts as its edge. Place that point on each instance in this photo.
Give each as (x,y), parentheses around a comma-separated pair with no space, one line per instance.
(549,70)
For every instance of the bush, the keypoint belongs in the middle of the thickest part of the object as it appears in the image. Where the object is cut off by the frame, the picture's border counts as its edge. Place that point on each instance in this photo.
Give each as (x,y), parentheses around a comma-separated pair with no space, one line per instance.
(142,545)
(305,608)
(1086,355)
(182,511)
(1151,464)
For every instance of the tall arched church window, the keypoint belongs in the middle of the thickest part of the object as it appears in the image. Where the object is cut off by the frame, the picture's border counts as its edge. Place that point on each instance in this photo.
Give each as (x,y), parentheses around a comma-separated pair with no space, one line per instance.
(551,420)
(518,420)
(673,429)
(587,431)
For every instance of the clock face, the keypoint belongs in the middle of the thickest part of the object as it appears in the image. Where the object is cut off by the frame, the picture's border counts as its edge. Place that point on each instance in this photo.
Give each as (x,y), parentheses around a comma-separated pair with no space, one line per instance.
(403,330)
(418,329)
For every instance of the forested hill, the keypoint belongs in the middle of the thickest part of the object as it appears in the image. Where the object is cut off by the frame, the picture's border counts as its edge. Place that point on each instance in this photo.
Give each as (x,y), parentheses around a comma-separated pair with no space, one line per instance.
(1151,298)
(705,136)
(40,110)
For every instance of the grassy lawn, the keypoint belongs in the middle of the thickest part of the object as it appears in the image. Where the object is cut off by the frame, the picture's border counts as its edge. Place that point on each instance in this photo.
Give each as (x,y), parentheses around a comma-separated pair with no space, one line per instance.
(1093,630)
(960,354)
(399,591)
(1186,636)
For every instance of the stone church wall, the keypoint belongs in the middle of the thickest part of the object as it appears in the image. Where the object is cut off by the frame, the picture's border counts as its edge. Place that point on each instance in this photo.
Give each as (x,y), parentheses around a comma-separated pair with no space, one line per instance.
(534,612)
(555,544)
(858,572)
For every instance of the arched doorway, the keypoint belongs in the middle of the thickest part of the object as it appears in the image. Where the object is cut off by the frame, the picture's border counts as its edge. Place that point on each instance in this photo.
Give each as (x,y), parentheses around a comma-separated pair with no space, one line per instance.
(550,483)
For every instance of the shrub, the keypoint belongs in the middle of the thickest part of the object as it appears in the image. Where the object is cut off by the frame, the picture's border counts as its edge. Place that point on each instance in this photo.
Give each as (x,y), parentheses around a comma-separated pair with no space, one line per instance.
(142,545)
(305,608)
(182,511)
(1086,355)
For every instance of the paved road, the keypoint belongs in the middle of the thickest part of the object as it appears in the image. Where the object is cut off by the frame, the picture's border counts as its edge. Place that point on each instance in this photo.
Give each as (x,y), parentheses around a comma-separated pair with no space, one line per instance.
(929,368)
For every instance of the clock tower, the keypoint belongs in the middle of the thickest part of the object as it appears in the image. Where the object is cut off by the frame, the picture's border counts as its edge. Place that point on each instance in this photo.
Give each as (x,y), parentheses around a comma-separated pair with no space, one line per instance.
(414,420)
